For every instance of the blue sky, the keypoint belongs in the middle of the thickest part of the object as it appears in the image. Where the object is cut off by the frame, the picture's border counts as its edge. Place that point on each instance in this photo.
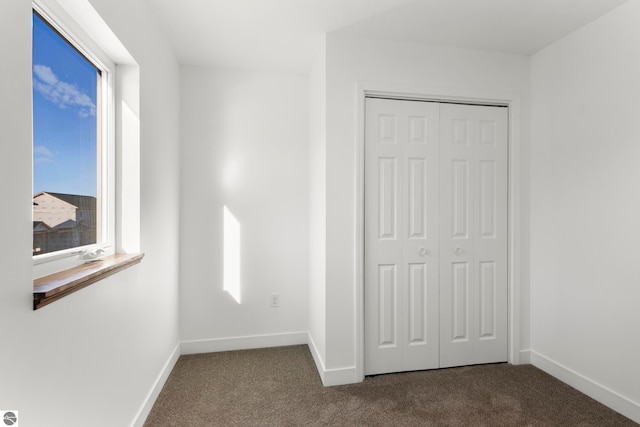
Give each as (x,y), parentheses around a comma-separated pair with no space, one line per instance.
(64,116)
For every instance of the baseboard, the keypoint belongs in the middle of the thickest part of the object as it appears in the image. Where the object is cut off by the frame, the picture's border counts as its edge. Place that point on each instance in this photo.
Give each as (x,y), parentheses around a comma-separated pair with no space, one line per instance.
(525,357)
(331,377)
(243,343)
(340,376)
(153,394)
(317,359)
(602,394)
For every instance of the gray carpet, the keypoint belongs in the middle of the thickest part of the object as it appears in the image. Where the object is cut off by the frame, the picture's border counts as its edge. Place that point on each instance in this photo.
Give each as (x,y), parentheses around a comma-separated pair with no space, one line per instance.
(281,387)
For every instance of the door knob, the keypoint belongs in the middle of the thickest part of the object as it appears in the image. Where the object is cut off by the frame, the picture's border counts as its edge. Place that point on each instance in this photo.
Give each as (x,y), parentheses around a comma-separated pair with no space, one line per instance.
(422,251)
(457,251)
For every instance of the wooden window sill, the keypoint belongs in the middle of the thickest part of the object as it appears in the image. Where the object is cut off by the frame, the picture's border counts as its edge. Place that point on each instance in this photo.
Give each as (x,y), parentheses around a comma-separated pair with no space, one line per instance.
(51,288)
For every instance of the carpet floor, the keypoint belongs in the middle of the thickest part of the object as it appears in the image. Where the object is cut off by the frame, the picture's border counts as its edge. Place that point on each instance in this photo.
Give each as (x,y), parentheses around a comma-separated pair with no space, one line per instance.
(281,387)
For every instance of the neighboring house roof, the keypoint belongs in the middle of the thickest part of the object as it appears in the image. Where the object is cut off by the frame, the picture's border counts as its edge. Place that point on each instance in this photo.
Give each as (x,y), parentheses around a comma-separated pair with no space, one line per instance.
(68,224)
(80,202)
(40,226)
(43,196)
(57,209)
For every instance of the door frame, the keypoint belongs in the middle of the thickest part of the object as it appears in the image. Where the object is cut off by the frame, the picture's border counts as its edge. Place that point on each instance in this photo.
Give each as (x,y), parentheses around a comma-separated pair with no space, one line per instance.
(511,100)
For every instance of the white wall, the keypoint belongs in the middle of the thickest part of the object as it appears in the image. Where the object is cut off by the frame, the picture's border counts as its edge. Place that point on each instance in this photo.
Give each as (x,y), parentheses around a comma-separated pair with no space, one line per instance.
(317,204)
(244,145)
(400,65)
(93,357)
(585,202)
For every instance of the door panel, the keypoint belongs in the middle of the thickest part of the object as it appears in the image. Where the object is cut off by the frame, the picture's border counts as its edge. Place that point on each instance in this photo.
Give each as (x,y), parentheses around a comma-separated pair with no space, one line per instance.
(388,198)
(473,224)
(487,301)
(387,286)
(417,203)
(460,197)
(417,304)
(459,302)
(401,173)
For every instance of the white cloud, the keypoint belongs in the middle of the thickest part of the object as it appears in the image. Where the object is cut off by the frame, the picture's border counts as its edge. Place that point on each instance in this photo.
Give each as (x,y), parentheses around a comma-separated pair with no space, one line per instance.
(42,151)
(63,94)
(42,155)
(45,74)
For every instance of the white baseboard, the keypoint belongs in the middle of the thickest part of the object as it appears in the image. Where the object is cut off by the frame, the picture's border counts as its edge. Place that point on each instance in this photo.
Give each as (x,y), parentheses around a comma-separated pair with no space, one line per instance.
(243,343)
(331,377)
(147,405)
(525,357)
(316,357)
(340,376)
(602,394)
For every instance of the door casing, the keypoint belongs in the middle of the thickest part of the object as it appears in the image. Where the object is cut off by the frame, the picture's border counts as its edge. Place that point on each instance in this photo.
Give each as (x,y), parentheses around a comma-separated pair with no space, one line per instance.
(463,96)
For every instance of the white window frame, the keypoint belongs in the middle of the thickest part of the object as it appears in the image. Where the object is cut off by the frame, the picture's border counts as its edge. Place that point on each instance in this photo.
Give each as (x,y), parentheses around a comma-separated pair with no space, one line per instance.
(106,168)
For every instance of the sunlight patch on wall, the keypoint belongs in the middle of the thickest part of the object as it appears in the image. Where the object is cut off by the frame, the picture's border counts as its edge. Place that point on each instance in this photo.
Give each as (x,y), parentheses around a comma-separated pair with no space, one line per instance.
(232,171)
(232,255)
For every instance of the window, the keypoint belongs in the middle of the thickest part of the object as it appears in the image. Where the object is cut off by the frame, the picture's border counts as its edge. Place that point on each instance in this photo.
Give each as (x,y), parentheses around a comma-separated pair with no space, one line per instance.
(73,145)
(75,176)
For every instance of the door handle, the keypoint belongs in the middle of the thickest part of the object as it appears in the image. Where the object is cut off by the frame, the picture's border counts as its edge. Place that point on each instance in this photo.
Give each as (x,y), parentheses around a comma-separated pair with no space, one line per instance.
(457,251)
(422,251)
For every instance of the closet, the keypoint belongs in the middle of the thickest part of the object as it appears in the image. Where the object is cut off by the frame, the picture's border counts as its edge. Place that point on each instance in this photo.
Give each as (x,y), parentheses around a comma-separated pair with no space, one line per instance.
(435,274)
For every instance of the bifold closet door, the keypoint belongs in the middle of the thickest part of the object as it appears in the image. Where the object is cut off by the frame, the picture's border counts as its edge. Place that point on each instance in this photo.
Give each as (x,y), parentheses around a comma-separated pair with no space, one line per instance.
(435,235)
(473,234)
(401,235)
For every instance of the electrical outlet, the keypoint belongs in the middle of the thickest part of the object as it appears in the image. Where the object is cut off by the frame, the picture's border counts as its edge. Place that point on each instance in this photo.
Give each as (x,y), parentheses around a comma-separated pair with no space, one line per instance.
(275,300)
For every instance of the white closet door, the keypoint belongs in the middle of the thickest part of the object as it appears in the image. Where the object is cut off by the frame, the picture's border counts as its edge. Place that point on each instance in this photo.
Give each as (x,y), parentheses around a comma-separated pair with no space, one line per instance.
(401,235)
(435,235)
(473,234)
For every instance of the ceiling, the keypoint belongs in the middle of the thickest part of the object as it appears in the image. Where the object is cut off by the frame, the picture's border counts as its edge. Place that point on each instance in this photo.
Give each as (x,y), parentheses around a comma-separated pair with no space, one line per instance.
(283,35)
